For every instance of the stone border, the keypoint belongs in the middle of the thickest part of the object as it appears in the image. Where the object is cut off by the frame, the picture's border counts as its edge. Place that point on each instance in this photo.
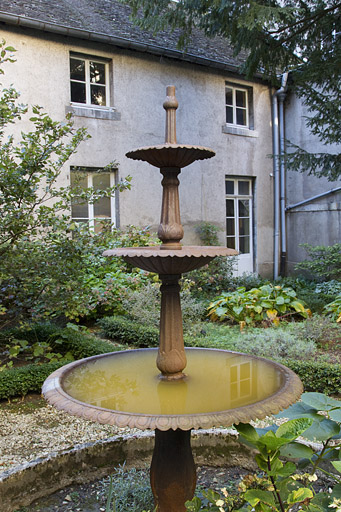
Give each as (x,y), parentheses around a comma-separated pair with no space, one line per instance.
(27,482)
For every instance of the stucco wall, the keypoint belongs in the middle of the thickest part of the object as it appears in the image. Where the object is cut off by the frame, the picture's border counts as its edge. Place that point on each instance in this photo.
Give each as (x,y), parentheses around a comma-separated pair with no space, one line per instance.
(318,222)
(41,73)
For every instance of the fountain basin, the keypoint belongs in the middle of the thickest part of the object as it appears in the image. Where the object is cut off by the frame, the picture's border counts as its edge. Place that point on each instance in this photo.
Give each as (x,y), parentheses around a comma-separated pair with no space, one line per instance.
(124,389)
(171,155)
(168,261)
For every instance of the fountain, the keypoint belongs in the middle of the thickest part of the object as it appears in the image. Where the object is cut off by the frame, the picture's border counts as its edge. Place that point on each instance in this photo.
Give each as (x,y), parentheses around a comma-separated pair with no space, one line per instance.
(195,388)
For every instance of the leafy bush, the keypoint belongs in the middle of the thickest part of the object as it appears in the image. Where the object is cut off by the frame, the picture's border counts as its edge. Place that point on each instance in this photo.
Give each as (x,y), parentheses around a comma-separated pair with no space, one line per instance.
(248,280)
(276,344)
(317,376)
(207,233)
(128,332)
(129,489)
(334,309)
(267,304)
(212,278)
(324,262)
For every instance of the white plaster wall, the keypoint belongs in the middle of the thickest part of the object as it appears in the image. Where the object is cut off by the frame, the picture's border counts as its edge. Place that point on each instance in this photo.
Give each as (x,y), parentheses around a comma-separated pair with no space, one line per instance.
(319,221)
(41,73)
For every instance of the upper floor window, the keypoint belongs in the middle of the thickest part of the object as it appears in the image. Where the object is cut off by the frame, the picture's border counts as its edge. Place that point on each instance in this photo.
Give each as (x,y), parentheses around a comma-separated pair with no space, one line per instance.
(237,106)
(89,81)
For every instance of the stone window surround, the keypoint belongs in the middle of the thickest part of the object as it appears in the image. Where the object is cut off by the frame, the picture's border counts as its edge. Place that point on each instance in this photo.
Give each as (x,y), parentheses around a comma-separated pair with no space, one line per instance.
(245,131)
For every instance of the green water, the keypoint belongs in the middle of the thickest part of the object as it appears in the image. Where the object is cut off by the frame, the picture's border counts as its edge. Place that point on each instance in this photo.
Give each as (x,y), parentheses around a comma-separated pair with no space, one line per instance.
(215,381)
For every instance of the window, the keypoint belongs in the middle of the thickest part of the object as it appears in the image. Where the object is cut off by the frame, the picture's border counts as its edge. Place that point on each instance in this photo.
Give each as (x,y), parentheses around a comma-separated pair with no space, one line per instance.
(89,81)
(237,106)
(239,214)
(101,212)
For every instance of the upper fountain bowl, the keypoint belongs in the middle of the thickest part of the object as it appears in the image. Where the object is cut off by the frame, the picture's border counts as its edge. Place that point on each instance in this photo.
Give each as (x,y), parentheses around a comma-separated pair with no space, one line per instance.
(171,155)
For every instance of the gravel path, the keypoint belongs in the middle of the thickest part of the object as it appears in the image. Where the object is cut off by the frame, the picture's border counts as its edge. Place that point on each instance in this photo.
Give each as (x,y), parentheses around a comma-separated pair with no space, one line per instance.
(26,436)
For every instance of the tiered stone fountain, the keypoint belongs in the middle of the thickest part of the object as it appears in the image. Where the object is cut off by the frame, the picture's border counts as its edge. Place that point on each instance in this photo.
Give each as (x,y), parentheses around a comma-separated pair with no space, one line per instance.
(195,388)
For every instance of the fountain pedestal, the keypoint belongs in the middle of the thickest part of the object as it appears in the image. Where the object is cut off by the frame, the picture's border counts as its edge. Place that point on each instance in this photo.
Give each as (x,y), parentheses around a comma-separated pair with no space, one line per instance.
(196,388)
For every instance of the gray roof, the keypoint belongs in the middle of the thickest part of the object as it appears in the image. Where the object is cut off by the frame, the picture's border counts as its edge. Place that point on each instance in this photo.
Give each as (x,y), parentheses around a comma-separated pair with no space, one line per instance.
(108,21)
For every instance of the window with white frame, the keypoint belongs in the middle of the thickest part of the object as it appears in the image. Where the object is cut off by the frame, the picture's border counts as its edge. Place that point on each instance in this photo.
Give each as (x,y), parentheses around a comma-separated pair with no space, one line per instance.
(89,81)
(237,105)
(239,214)
(101,213)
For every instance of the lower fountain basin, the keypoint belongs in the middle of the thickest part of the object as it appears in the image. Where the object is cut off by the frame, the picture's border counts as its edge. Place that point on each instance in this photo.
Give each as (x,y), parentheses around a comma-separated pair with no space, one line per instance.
(220,388)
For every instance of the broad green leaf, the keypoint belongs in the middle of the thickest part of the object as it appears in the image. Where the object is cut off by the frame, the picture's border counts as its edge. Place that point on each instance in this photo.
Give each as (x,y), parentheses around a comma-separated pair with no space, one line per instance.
(194,505)
(255,496)
(299,495)
(336,493)
(262,463)
(288,469)
(280,300)
(322,430)
(298,306)
(293,428)
(322,500)
(271,442)
(237,309)
(337,465)
(319,401)
(296,451)
(247,431)
(335,415)
(298,410)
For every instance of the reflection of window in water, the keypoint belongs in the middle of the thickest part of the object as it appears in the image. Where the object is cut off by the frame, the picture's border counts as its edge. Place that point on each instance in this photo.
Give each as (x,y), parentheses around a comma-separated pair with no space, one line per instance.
(241,381)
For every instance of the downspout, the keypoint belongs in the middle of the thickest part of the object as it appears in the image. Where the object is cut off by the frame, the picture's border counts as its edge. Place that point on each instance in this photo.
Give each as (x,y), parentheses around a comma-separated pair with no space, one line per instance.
(278,167)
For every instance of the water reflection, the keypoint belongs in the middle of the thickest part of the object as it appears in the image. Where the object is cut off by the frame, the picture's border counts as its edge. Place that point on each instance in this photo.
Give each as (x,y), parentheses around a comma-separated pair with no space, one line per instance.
(215,381)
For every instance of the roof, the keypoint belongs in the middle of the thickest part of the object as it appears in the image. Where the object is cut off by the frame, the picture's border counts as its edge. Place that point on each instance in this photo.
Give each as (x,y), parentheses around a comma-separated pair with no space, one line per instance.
(108,21)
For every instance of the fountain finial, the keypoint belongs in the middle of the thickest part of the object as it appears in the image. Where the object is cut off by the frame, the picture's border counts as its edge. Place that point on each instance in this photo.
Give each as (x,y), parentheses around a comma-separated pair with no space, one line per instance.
(170,105)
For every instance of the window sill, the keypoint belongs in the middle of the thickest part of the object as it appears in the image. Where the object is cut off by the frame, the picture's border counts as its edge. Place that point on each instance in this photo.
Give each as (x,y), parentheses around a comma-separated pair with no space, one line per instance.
(234,130)
(93,112)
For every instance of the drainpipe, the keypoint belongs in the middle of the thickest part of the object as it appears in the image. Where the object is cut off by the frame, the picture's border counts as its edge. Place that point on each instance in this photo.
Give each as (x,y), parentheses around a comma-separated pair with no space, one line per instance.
(279,170)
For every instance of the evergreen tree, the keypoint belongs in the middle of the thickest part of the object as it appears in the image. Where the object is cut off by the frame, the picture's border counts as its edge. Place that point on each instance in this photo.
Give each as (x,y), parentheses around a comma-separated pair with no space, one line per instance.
(301,36)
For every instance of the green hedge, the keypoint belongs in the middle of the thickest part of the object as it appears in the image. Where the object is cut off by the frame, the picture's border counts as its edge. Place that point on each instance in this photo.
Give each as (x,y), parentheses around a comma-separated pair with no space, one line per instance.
(30,378)
(317,376)
(129,332)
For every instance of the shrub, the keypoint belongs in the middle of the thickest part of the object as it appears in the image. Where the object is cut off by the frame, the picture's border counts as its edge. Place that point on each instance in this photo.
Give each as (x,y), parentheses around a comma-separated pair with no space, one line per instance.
(324,262)
(276,344)
(125,331)
(334,309)
(317,376)
(213,278)
(267,304)
(249,280)
(207,233)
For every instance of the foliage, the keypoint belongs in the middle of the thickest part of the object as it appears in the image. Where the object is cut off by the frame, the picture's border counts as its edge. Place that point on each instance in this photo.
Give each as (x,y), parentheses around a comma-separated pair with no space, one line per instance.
(42,250)
(70,343)
(324,262)
(314,293)
(125,331)
(317,375)
(334,309)
(280,486)
(272,37)
(207,233)
(267,304)
(276,344)
(212,278)
(129,489)
(249,280)
(143,304)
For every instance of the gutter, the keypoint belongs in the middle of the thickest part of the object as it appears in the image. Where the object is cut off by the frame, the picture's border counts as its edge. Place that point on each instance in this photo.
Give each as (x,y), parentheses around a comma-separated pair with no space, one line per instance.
(279,175)
(23,21)
(323,194)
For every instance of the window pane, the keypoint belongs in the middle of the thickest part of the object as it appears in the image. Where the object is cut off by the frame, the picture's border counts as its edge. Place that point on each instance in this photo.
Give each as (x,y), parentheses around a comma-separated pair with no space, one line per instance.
(97,73)
(230,242)
(229,208)
(244,226)
(229,185)
(244,207)
(230,227)
(79,210)
(102,205)
(240,98)
(78,94)
(229,115)
(98,95)
(243,188)
(241,116)
(229,96)
(244,244)
(77,69)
